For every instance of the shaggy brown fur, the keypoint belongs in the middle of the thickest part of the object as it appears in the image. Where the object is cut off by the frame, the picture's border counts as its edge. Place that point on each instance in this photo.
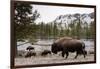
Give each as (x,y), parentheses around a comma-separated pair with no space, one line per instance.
(67,44)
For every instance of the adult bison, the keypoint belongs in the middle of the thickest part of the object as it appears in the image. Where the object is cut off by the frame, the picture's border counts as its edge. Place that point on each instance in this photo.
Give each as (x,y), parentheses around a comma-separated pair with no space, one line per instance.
(67,44)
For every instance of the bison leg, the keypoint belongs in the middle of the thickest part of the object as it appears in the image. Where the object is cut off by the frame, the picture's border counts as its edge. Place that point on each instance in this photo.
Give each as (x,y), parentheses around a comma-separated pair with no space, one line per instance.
(84,56)
(84,53)
(67,54)
(76,55)
(63,53)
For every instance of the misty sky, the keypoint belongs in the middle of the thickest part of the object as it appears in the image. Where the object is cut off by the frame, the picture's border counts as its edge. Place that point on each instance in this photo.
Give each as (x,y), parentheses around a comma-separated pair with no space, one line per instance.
(49,13)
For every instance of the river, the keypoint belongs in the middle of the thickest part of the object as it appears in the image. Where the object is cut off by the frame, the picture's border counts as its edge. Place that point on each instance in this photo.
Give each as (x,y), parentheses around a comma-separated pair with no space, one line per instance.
(46,44)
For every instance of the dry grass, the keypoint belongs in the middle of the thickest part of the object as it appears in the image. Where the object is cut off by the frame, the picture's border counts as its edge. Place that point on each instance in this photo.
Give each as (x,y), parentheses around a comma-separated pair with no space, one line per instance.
(50,59)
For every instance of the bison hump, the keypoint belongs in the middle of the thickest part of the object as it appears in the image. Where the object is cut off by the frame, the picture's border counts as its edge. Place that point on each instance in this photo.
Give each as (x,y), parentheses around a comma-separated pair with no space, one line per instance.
(60,40)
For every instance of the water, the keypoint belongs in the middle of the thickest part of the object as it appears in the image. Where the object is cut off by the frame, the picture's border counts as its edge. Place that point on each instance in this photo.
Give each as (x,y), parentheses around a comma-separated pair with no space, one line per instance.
(89,45)
(41,45)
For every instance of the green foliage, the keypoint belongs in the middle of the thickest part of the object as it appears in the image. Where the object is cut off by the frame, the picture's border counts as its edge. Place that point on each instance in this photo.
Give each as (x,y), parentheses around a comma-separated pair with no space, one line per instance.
(24,20)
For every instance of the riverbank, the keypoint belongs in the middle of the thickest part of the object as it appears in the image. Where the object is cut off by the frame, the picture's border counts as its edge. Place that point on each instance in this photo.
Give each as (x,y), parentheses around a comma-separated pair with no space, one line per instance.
(51,59)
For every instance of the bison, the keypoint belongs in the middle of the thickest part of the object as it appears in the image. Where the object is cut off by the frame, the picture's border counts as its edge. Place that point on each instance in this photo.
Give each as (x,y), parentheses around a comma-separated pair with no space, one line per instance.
(68,44)
(45,52)
(30,53)
(30,48)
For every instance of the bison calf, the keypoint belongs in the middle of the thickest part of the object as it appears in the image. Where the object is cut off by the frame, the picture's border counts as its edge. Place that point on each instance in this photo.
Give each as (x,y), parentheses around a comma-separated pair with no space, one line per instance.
(45,52)
(30,53)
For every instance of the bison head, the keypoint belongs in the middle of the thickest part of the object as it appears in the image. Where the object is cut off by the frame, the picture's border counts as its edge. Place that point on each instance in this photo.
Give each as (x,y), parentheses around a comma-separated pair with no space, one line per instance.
(56,48)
